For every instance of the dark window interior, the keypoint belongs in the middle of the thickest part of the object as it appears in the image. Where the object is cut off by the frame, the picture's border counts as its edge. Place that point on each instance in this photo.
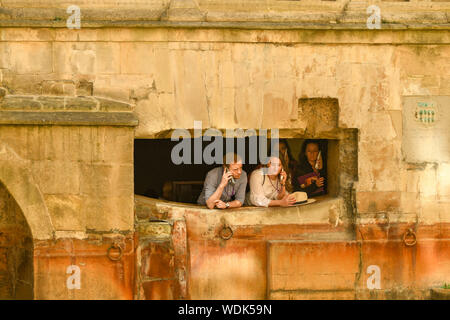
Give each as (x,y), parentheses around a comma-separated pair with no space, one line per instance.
(156,176)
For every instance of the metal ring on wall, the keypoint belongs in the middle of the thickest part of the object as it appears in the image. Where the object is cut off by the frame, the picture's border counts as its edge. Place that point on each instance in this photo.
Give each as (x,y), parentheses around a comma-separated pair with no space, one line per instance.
(226,232)
(114,246)
(413,234)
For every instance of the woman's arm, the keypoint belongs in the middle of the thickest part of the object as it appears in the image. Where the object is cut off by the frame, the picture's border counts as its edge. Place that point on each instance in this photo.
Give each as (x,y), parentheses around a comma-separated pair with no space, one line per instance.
(288,200)
(282,192)
(257,196)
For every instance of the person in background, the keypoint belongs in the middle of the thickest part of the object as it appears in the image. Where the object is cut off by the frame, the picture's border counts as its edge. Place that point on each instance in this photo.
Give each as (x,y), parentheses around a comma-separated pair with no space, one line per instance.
(268,186)
(309,174)
(167,191)
(288,162)
(224,186)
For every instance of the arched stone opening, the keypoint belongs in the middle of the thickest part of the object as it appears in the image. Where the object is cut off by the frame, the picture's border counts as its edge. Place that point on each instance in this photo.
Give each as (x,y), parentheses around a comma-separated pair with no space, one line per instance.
(16,250)
(16,177)
(23,218)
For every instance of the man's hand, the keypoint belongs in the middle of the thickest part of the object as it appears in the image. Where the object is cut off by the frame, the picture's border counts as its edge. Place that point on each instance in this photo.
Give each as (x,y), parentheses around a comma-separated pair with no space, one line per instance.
(225,178)
(220,204)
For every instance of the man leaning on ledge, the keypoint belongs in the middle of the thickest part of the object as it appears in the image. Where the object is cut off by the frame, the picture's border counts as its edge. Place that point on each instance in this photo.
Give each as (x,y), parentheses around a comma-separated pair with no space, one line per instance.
(224,186)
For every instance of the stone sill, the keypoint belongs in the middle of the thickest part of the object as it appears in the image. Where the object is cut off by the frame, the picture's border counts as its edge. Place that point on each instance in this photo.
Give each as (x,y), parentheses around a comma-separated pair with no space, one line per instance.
(325,210)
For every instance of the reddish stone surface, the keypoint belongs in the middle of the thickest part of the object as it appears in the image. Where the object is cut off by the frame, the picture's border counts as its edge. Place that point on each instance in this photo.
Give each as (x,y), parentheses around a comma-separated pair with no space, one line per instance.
(394,260)
(311,266)
(273,232)
(313,295)
(100,277)
(164,265)
(396,231)
(158,289)
(232,269)
(246,268)
(181,260)
(157,260)
(377,201)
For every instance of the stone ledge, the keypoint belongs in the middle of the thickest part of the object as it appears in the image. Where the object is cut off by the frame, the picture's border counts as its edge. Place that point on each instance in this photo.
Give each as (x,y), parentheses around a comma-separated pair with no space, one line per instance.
(413,24)
(264,14)
(10,102)
(440,294)
(68,118)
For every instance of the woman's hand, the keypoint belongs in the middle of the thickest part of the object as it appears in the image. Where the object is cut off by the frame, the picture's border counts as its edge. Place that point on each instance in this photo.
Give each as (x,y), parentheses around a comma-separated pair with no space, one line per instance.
(288,200)
(320,182)
(283,176)
(320,163)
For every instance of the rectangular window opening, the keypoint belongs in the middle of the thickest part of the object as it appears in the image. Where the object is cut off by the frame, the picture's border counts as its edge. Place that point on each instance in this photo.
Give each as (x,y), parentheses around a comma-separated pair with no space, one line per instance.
(157,176)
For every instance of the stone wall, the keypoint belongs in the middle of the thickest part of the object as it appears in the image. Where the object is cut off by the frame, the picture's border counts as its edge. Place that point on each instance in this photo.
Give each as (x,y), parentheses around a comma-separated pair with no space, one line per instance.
(253,79)
(66,133)
(83,177)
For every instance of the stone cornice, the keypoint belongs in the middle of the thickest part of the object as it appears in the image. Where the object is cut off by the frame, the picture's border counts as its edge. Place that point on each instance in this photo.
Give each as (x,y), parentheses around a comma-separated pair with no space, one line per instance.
(232,14)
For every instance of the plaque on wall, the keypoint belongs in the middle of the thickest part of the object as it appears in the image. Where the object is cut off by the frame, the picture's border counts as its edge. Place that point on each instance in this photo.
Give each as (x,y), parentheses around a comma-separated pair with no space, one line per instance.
(426,129)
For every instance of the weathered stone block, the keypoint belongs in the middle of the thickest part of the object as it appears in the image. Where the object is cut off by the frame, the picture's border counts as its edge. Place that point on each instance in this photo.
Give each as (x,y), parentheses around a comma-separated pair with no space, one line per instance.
(51,103)
(313,295)
(106,180)
(107,58)
(157,260)
(321,114)
(423,264)
(19,103)
(372,202)
(235,270)
(137,58)
(53,258)
(84,88)
(65,211)
(31,57)
(3,92)
(313,266)
(80,104)
(111,105)
(443,173)
(108,213)
(112,92)
(59,88)
(154,230)
(118,145)
(21,84)
(158,290)
(57,177)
